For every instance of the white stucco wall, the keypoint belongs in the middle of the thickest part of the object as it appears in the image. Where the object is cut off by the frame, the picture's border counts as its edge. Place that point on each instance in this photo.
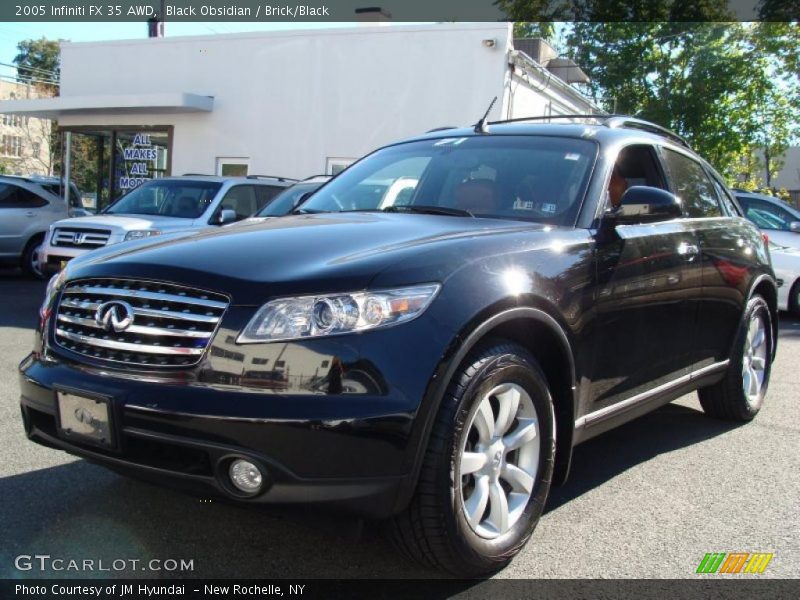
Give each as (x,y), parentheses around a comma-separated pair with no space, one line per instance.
(304,95)
(789,175)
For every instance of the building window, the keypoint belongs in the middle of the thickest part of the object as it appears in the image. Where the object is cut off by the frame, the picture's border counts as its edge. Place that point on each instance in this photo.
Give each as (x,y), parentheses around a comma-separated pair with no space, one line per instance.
(232,167)
(13,120)
(36,149)
(334,166)
(11,145)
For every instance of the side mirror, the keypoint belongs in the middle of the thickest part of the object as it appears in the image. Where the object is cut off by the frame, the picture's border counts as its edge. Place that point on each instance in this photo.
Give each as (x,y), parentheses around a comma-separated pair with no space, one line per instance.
(794,226)
(226,215)
(645,204)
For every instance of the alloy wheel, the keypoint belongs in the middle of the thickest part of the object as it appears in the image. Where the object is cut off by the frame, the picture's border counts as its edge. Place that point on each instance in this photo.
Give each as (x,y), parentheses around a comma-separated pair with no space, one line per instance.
(36,263)
(754,361)
(499,460)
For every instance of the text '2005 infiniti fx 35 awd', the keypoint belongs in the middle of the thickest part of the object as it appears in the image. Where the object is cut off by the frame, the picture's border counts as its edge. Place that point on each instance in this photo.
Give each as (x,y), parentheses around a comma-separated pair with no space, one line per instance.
(425,340)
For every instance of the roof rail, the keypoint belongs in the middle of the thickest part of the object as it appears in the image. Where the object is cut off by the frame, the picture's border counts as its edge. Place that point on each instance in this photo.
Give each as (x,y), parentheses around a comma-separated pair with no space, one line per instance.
(600,118)
(634,123)
(310,177)
(279,178)
(611,121)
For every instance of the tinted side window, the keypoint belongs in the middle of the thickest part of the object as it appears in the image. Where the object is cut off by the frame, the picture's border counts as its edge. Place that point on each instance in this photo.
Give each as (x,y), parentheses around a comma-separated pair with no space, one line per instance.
(8,196)
(265,193)
(241,199)
(28,199)
(12,196)
(725,197)
(692,185)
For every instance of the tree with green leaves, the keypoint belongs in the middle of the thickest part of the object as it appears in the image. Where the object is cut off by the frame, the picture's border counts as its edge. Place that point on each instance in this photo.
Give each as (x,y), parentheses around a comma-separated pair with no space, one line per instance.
(730,88)
(39,63)
(727,87)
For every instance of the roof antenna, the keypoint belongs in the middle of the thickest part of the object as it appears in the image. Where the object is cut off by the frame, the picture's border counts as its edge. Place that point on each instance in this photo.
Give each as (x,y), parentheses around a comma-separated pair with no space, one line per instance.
(480,126)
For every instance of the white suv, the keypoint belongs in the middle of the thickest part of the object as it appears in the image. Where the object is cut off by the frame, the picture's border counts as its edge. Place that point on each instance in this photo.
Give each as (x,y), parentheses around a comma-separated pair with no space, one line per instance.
(162,205)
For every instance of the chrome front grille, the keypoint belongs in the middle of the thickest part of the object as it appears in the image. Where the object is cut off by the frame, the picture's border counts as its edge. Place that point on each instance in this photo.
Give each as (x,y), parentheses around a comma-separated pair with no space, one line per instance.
(72,237)
(169,325)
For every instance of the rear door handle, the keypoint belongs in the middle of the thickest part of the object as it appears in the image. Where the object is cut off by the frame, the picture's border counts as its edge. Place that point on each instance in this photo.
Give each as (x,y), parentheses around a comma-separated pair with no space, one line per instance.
(30,213)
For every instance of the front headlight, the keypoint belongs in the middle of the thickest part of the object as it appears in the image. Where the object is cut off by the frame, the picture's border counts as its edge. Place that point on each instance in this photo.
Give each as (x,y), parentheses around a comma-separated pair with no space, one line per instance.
(335,314)
(53,287)
(138,234)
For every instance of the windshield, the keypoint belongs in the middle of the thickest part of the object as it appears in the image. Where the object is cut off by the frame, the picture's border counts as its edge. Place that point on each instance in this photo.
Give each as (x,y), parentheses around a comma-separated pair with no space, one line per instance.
(534,178)
(167,198)
(284,202)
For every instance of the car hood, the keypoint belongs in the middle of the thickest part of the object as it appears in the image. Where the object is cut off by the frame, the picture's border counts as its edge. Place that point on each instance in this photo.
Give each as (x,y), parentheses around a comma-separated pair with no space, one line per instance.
(123,223)
(304,254)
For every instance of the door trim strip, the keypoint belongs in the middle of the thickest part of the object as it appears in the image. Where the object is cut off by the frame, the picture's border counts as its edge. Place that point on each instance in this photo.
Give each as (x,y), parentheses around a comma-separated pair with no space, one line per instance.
(614,409)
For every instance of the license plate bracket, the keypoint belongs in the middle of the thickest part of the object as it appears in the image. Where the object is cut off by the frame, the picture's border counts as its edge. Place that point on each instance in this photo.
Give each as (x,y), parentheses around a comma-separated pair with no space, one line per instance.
(85,417)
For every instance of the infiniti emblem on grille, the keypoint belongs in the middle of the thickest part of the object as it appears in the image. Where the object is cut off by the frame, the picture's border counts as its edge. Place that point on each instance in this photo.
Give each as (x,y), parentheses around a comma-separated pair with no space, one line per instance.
(84,416)
(116,315)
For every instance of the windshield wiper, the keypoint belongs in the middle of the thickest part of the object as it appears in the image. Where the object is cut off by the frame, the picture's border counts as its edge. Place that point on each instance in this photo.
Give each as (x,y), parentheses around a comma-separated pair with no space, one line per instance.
(429,210)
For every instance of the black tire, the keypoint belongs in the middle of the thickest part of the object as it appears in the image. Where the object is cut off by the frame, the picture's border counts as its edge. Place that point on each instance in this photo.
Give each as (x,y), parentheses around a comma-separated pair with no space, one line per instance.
(434,530)
(726,399)
(29,262)
(794,299)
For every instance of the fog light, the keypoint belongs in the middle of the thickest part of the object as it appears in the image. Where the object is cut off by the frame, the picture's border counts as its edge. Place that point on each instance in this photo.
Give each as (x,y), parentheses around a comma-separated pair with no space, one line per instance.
(245,476)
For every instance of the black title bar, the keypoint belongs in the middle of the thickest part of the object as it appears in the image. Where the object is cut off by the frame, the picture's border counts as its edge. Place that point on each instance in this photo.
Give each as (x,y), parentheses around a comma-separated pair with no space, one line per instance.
(396,10)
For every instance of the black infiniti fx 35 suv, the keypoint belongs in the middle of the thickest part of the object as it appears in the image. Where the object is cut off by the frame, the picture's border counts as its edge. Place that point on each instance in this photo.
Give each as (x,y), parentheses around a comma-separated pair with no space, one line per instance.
(425,340)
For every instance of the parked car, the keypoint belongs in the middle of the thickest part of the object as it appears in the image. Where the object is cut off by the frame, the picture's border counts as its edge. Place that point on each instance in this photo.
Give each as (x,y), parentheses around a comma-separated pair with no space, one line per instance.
(159,206)
(290,198)
(786,263)
(28,205)
(779,220)
(431,362)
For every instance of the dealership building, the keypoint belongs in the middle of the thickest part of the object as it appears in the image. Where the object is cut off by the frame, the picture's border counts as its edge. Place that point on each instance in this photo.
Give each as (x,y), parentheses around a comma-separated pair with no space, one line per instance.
(289,103)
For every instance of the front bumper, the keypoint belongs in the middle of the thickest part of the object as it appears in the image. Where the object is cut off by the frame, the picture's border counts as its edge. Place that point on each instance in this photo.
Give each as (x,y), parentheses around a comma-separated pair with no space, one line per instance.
(352,454)
(53,257)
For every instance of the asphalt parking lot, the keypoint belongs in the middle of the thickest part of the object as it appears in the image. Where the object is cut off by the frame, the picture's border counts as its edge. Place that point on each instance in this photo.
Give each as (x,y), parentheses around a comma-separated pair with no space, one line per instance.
(645,501)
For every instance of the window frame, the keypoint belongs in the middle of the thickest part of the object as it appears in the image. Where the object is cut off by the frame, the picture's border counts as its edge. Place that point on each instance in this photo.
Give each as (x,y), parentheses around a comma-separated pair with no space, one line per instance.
(232,160)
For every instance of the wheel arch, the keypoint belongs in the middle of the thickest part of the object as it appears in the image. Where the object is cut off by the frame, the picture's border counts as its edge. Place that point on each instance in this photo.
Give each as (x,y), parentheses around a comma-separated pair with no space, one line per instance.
(538,332)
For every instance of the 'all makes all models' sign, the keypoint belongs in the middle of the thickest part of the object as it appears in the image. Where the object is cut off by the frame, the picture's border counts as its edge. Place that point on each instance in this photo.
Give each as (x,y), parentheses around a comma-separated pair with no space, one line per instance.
(138,157)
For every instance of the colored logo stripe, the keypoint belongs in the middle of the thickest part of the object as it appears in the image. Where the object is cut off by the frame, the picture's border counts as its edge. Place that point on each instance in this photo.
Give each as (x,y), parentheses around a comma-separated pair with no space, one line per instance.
(758,563)
(711,562)
(735,562)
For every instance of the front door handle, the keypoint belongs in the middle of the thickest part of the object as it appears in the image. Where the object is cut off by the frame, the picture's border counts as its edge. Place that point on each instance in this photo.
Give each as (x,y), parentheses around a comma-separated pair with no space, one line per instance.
(688,251)
(30,213)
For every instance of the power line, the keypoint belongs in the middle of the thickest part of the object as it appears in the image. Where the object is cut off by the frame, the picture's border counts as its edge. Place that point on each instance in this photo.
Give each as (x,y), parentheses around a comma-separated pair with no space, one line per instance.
(49,72)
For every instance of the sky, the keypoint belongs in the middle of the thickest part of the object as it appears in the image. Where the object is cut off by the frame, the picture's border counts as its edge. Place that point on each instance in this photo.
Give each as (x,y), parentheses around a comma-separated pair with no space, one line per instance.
(12,33)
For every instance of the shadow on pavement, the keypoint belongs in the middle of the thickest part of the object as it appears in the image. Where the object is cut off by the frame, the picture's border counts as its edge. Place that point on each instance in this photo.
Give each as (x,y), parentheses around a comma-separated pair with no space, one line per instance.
(599,460)
(79,510)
